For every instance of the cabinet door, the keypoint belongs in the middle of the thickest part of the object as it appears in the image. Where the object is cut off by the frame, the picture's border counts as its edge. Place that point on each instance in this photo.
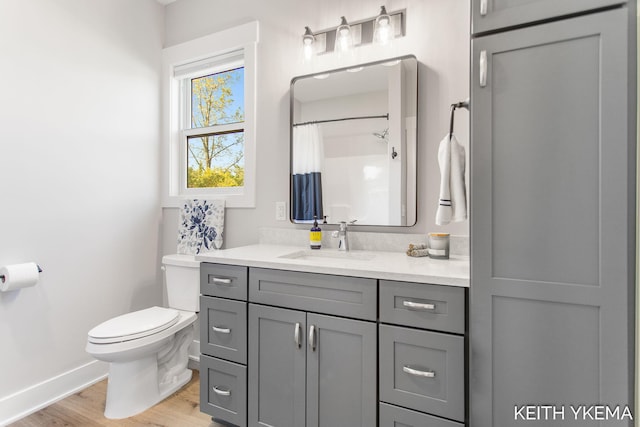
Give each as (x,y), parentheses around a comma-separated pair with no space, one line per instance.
(341,372)
(276,367)
(552,219)
(488,15)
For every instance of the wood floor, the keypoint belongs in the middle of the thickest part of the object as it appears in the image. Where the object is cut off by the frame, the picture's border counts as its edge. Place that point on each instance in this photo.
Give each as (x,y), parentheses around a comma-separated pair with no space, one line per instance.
(86,408)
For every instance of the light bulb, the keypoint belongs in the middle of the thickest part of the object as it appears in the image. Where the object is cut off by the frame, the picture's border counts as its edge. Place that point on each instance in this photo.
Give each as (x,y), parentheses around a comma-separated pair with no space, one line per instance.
(384,31)
(343,36)
(307,50)
(307,44)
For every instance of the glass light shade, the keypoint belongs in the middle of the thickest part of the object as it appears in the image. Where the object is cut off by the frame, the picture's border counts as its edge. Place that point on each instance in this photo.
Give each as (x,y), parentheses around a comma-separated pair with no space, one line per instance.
(344,41)
(384,30)
(307,44)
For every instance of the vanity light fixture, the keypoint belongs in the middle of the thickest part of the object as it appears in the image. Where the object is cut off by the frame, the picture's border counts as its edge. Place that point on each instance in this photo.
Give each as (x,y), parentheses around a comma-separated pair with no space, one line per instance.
(307,43)
(381,30)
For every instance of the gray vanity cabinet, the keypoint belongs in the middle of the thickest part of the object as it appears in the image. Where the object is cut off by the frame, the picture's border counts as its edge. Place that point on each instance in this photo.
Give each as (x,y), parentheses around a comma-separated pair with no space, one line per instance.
(490,15)
(552,262)
(223,342)
(299,349)
(421,354)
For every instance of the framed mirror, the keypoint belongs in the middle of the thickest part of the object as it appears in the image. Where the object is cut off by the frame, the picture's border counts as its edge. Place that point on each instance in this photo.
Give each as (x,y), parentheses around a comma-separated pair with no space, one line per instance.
(354,144)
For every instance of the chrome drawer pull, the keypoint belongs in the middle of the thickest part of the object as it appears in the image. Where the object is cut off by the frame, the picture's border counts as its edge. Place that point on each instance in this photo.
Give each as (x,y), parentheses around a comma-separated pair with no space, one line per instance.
(418,305)
(411,371)
(221,281)
(216,390)
(221,330)
(483,7)
(312,337)
(296,335)
(482,66)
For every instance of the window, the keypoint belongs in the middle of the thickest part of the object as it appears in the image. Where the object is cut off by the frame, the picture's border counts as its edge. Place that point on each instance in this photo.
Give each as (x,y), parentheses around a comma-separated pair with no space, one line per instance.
(210,144)
(213,124)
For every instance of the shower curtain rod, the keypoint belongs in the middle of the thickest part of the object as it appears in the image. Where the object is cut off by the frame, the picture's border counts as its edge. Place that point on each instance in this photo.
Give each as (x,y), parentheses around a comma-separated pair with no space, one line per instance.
(384,116)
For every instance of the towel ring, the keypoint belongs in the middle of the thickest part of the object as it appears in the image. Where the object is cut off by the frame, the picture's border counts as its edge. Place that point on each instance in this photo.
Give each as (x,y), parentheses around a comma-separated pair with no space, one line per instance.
(462,104)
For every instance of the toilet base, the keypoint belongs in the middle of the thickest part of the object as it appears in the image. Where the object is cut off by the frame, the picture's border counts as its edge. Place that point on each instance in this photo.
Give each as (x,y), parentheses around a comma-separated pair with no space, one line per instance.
(133,387)
(136,385)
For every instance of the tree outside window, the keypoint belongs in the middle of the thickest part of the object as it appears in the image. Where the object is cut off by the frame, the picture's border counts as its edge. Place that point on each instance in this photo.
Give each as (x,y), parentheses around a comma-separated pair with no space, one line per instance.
(215,157)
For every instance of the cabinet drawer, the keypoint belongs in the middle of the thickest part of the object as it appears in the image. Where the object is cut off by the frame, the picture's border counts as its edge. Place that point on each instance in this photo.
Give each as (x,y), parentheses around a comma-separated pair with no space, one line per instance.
(488,15)
(423,306)
(223,328)
(226,281)
(223,390)
(422,370)
(392,416)
(321,293)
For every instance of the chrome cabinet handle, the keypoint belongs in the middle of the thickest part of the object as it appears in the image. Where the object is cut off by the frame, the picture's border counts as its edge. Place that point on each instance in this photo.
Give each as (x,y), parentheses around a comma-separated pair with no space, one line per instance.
(312,337)
(417,373)
(221,330)
(221,392)
(296,335)
(483,7)
(418,305)
(221,281)
(483,68)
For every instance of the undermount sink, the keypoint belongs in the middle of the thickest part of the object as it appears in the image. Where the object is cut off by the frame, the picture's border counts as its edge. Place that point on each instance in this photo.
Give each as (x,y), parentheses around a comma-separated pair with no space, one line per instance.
(320,255)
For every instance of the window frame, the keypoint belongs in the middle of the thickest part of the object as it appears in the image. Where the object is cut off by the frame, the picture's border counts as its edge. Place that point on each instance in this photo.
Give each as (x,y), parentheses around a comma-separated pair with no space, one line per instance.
(242,38)
(187,131)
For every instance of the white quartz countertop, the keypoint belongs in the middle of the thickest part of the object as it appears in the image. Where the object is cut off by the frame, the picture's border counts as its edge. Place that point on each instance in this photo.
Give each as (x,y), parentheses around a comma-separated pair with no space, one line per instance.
(371,264)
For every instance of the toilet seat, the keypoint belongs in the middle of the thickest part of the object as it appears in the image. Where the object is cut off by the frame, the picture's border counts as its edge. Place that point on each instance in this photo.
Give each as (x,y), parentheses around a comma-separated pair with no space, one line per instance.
(135,325)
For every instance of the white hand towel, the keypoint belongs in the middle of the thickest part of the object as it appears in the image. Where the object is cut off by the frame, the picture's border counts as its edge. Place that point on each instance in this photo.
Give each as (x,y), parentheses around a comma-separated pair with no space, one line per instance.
(452,205)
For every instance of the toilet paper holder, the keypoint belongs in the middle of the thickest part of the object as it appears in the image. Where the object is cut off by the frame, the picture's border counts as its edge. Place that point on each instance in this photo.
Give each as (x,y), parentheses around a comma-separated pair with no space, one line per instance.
(2,279)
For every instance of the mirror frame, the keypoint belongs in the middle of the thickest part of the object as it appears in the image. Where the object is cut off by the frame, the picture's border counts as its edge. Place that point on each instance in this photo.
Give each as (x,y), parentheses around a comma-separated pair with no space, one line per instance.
(291,123)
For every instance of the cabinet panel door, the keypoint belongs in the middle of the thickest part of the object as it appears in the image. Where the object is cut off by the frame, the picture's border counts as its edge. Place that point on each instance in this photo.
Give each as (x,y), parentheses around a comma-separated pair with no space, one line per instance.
(552,219)
(276,367)
(508,13)
(341,372)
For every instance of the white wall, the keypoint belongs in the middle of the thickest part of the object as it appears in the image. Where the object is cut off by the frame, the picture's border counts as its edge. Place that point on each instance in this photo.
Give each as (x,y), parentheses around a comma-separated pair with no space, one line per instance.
(79,173)
(437,33)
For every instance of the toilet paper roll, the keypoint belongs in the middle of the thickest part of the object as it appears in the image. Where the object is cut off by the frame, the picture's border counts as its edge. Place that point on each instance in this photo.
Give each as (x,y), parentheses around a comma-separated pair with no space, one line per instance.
(18,276)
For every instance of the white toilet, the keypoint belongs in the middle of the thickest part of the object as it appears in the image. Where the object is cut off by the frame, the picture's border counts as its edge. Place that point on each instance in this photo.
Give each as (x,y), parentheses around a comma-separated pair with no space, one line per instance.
(148,350)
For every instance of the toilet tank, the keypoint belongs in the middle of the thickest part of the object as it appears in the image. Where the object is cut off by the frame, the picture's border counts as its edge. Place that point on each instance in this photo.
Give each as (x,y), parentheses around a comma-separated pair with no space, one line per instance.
(182,278)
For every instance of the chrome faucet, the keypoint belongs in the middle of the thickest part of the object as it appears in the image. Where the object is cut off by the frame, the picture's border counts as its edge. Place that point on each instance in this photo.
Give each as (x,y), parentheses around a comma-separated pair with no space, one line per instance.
(341,234)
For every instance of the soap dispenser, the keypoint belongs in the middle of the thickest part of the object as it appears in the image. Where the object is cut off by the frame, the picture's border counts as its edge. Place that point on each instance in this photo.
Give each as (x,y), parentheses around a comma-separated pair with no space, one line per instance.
(315,235)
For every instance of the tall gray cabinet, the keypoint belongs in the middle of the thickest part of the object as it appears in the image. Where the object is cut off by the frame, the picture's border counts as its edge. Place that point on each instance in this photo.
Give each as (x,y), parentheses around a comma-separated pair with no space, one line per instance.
(552,208)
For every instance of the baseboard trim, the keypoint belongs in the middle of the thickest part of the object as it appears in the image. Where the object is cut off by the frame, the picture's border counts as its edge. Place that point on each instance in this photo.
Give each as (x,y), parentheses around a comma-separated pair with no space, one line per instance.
(38,396)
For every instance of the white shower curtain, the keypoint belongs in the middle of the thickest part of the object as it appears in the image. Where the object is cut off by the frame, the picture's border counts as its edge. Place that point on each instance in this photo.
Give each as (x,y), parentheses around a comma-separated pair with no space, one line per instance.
(308,158)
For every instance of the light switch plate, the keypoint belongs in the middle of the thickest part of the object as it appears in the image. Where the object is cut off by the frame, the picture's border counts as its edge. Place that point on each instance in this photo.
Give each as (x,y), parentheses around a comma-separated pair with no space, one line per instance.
(281,211)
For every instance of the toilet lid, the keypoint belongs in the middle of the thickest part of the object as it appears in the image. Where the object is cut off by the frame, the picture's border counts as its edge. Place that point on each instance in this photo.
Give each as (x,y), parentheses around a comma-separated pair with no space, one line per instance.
(134,325)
